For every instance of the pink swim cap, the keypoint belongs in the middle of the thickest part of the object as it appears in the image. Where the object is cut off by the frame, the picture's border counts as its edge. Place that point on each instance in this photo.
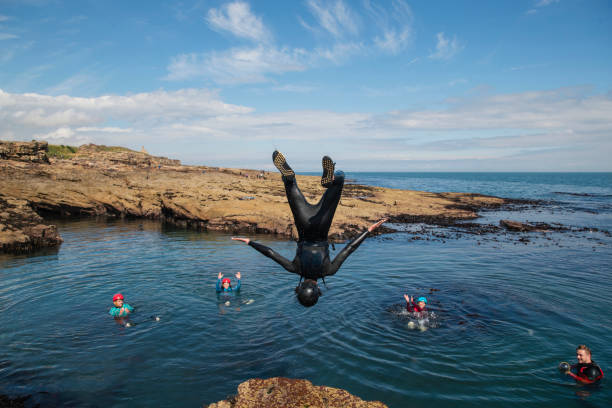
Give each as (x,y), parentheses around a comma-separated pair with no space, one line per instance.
(118,296)
(226,280)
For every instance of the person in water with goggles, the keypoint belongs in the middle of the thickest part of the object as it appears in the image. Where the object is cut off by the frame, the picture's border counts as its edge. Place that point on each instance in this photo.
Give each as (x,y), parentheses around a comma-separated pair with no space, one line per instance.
(312,261)
(224,284)
(418,307)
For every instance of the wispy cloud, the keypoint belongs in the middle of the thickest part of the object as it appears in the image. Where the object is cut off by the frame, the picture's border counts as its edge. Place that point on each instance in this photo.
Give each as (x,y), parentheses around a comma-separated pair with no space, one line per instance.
(294,88)
(392,34)
(237,19)
(395,24)
(336,18)
(237,65)
(539,4)
(4,18)
(446,48)
(7,36)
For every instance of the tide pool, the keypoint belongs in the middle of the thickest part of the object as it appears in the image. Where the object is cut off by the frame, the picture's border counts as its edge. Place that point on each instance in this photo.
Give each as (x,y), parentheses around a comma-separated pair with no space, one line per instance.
(507,315)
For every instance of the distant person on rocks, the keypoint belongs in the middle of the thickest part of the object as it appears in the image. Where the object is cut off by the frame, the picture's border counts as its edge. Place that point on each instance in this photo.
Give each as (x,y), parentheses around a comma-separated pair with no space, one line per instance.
(225,284)
(586,371)
(418,307)
(120,309)
(312,221)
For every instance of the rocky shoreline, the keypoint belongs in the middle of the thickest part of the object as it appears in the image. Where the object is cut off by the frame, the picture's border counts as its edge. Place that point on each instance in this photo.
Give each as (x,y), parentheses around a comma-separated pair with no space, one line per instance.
(118,182)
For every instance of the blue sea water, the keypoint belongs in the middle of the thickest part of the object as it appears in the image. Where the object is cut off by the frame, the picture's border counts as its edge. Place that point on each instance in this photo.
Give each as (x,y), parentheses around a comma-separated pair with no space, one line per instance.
(508,311)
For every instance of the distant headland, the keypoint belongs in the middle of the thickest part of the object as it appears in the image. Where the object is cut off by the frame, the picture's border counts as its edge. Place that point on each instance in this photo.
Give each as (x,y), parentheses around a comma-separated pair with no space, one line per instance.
(38,181)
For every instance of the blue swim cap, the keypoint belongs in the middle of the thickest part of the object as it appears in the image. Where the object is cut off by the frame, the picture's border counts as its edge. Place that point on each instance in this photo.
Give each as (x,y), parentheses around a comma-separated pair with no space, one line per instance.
(422,299)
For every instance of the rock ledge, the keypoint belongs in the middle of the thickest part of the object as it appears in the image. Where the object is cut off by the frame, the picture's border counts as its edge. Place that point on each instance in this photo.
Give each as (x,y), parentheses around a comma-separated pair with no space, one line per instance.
(280,392)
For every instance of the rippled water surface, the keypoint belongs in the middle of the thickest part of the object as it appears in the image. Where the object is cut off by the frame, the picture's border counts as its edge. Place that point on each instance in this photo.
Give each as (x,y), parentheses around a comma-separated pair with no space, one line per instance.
(507,314)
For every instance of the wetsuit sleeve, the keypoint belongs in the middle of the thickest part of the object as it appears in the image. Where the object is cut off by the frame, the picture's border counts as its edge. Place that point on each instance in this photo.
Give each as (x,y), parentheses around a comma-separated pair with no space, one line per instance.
(114,311)
(218,286)
(237,285)
(346,251)
(128,307)
(275,256)
(409,307)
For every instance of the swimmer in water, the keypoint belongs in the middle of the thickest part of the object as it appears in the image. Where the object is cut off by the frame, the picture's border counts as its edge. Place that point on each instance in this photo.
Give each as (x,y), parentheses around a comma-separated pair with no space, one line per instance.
(120,309)
(312,260)
(225,284)
(586,371)
(418,307)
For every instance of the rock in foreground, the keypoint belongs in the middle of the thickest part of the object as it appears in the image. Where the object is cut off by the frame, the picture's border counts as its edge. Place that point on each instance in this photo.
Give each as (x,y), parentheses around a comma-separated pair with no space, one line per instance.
(280,392)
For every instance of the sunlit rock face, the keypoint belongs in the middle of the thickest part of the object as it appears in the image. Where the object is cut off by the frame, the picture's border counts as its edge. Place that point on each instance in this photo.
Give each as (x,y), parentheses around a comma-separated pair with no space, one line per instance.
(280,392)
(33,151)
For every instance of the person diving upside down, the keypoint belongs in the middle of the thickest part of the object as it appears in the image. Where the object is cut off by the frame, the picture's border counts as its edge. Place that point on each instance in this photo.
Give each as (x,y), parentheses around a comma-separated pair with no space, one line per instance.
(312,260)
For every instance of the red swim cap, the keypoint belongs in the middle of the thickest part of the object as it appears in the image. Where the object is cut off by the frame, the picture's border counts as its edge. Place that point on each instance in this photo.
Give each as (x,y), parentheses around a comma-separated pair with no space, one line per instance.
(118,296)
(226,280)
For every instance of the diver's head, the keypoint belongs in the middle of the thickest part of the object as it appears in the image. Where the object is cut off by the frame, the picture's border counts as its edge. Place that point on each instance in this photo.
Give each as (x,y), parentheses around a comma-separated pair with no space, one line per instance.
(308,292)
(583,354)
(421,302)
(225,283)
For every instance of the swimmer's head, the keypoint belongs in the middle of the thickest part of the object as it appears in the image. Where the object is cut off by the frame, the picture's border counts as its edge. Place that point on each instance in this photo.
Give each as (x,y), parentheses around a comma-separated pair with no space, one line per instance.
(583,354)
(422,301)
(118,300)
(308,293)
(225,283)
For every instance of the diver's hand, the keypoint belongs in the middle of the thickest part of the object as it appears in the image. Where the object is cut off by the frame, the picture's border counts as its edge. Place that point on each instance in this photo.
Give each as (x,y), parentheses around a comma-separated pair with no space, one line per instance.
(238,275)
(407,298)
(245,240)
(220,275)
(378,224)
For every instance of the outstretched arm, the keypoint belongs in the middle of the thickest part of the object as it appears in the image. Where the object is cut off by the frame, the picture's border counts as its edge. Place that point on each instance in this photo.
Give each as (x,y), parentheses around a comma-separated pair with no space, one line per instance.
(351,247)
(270,253)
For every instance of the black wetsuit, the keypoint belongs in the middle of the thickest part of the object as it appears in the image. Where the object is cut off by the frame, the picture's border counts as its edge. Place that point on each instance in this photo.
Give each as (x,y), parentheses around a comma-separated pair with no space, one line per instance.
(313,222)
(587,373)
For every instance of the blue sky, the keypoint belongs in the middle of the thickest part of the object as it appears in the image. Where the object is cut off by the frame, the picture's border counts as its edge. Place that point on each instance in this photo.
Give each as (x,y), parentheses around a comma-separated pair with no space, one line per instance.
(379,85)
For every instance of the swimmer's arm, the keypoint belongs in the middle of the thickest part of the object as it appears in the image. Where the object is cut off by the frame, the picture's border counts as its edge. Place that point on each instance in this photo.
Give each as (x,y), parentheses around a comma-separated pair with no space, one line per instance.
(237,285)
(586,380)
(346,251)
(218,286)
(275,256)
(351,247)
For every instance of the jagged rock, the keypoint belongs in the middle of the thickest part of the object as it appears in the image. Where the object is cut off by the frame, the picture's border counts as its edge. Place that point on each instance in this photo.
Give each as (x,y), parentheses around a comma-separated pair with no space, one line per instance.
(33,151)
(518,226)
(22,230)
(121,156)
(280,392)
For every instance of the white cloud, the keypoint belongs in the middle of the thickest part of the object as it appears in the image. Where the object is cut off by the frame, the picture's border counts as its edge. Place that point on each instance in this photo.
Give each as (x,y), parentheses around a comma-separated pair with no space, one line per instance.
(72,118)
(446,48)
(544,3)
(237,65)
(395,24)
(538,129)
(4,18)
(237,19)
(391,33)
(539,4)
(334,17)
(108,129)
(7,36)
